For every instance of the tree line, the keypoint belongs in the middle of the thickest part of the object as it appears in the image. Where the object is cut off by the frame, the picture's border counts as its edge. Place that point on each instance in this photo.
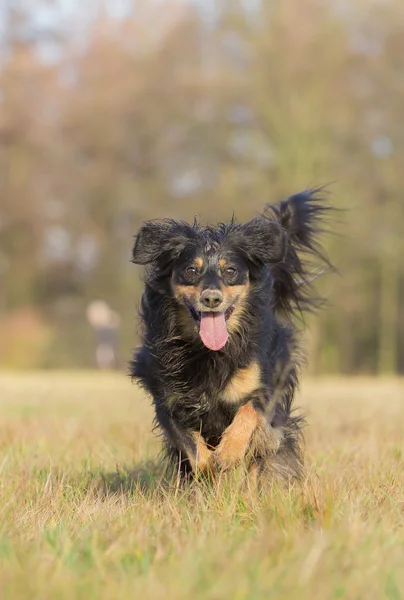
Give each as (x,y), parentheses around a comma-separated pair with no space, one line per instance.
(180,109)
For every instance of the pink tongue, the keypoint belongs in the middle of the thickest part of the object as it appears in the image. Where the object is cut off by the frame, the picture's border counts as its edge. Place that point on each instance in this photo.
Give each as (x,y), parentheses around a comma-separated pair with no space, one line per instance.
(213,330)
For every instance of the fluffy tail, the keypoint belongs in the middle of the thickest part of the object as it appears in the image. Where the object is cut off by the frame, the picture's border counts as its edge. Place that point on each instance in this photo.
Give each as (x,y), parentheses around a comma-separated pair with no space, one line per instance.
(302,216)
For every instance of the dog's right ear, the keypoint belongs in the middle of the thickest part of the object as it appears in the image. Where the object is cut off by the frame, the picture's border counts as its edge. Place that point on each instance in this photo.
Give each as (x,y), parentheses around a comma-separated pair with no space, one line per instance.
(161,238)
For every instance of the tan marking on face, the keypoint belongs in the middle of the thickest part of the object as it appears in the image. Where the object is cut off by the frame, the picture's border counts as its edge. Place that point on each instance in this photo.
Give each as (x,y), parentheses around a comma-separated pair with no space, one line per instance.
(243,383)
(198,262)
(186,323)
(222,263)
(235,321)
(232,293)
(190,292)
(236,438)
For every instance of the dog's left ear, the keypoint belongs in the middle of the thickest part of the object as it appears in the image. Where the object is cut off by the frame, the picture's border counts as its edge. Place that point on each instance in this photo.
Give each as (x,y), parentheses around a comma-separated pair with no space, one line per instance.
(264,241)
(160,238)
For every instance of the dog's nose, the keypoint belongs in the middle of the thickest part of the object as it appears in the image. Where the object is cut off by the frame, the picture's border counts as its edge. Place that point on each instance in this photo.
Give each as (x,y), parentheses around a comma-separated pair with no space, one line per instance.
(211,298)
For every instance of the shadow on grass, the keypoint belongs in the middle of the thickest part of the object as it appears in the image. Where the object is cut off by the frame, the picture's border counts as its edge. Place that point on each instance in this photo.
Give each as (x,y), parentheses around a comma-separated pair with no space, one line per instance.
(145,477)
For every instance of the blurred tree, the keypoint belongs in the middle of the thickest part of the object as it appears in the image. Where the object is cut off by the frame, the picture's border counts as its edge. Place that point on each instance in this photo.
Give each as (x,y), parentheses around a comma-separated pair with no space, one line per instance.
(108,117)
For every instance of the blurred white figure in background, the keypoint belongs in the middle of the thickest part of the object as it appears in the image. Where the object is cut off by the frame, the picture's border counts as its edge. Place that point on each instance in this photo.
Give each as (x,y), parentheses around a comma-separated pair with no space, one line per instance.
(105,323)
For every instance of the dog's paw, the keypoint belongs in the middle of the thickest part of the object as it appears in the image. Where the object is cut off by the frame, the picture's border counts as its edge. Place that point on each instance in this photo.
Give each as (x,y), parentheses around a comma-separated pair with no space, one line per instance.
(228,453)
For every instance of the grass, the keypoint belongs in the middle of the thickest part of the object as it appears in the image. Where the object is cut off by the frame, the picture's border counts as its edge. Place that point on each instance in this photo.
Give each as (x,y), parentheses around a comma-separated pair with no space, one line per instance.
(82,513)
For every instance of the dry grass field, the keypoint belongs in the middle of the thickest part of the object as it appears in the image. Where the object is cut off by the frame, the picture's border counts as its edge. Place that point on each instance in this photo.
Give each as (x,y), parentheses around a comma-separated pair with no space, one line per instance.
(82,513)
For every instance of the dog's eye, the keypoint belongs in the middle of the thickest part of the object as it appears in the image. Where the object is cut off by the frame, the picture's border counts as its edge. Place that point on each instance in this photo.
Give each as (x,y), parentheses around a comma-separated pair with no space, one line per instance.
(230,272)
(190,272)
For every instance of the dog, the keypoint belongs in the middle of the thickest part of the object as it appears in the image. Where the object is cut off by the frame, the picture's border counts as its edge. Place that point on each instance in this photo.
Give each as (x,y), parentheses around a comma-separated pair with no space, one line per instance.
(220,353)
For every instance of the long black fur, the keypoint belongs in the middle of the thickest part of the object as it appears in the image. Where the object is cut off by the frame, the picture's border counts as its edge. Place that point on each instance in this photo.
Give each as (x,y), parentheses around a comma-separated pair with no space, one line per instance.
(184,378)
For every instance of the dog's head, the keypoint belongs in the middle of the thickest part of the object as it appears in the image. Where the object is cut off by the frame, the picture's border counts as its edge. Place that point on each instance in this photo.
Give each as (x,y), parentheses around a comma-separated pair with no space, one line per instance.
(209,272)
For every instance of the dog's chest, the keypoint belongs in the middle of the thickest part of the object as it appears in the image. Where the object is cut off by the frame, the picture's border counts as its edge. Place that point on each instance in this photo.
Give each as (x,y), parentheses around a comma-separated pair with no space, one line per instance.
(241,384)
(203,390)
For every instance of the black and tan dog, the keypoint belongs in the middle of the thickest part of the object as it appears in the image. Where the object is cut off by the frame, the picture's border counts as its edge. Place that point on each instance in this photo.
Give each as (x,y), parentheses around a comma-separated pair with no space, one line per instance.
(219,354)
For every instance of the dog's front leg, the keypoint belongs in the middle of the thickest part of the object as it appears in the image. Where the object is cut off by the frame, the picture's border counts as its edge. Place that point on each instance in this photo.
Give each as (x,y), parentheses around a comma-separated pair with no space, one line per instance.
(190,444)
(250,428)
(236,438)
(199,455)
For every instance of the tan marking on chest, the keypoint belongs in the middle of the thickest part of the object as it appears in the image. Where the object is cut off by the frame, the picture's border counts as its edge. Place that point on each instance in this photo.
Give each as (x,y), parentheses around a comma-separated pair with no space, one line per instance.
(243,383)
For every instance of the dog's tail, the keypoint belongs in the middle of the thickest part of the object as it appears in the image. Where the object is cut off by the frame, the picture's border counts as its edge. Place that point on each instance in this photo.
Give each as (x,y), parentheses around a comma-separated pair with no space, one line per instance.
(303,217)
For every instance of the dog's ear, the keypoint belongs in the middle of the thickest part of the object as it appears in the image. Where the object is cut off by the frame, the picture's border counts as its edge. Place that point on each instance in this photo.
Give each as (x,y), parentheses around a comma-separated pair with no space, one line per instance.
(264,241)
(161,238)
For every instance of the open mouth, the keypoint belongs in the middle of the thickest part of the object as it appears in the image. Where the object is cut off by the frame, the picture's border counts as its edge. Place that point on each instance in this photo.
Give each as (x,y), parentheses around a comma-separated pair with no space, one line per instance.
(212,326)
(196,315)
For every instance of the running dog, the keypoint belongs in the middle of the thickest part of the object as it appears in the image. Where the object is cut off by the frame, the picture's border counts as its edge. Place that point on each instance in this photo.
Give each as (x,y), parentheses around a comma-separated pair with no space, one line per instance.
(220,351)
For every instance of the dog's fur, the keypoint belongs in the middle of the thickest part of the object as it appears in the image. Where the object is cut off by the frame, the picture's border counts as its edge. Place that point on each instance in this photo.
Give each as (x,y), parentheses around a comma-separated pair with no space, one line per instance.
(218,407)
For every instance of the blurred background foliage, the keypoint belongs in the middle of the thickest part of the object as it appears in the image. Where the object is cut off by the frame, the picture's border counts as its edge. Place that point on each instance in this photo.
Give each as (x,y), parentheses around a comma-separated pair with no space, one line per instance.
(112,112)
